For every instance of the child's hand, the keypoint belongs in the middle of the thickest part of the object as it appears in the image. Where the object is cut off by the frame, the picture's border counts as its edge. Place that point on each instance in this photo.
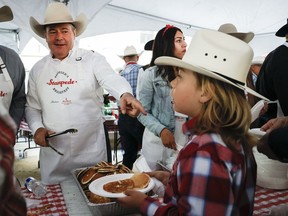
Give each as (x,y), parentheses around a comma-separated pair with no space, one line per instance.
(133,200)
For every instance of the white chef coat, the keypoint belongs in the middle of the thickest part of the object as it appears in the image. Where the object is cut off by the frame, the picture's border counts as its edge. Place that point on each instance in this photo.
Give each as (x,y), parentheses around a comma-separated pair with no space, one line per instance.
(68,94)
(6,86)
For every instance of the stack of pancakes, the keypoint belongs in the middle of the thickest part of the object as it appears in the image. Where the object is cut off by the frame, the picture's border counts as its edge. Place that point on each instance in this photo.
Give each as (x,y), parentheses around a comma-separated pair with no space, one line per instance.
(137,181)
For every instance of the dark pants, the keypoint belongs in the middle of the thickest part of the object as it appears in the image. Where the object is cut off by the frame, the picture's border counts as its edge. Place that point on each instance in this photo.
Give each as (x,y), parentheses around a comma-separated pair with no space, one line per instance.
(131,133)
(108,145)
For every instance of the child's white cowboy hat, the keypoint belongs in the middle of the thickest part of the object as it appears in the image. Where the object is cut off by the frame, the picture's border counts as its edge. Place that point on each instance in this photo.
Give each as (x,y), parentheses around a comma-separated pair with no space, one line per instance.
(230,29)
(57,13)
(5,14)
(217,55)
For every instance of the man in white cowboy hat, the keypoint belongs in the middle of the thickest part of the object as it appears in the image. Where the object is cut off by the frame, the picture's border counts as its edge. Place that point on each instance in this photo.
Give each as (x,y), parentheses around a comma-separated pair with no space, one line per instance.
(12,76)
(130,129)
(273,76)
(65,90)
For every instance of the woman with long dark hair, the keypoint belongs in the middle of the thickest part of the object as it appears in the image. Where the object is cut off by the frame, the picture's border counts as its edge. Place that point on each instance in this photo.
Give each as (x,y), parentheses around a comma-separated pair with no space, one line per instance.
(154,94)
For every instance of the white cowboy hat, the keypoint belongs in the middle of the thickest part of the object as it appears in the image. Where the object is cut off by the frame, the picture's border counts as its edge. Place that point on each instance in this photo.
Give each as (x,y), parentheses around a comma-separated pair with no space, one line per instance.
(130,51)
(217,55)
(230,29)
(57,13)
(5,14)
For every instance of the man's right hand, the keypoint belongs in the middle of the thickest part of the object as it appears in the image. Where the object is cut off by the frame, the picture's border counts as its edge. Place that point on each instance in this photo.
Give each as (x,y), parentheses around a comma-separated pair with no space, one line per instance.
(40,136)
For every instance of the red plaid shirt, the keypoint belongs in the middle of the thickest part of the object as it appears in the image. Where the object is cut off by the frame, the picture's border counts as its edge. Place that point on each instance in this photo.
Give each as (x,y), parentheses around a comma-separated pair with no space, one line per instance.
(208,179)
(11,200)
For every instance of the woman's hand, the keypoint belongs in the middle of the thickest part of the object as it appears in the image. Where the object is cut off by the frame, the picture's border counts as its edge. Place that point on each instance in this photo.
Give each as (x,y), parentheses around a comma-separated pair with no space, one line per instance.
(168,139)
(132,200)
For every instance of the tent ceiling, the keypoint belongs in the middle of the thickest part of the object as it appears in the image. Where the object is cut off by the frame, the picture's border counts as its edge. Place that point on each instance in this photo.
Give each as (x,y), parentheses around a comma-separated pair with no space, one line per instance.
(263,17)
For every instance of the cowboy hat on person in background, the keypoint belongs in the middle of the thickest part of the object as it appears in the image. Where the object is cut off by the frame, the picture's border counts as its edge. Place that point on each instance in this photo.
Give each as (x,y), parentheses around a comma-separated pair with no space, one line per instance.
(149,45)
(283,31)
(5,14)
(230,29)
(130,51)
(57,13)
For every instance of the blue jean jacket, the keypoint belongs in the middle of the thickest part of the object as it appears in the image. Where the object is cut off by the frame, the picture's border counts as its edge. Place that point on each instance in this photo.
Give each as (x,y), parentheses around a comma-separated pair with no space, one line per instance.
(154,94)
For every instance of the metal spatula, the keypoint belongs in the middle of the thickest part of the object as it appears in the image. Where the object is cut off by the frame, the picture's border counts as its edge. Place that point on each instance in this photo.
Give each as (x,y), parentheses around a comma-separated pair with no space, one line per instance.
(72,130)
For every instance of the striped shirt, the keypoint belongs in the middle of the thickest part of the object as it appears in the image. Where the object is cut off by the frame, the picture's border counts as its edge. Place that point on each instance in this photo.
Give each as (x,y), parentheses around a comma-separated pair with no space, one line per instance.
(130,73)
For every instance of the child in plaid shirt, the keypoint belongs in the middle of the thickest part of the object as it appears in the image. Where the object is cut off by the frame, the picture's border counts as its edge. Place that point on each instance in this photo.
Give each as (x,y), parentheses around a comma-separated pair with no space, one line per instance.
(215,172)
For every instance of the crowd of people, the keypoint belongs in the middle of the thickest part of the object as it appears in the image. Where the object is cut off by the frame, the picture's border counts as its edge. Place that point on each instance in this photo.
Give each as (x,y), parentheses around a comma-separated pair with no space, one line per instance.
(215,88)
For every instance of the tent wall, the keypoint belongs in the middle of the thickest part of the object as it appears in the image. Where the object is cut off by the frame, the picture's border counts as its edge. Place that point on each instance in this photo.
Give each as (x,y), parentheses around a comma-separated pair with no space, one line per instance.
(263,17)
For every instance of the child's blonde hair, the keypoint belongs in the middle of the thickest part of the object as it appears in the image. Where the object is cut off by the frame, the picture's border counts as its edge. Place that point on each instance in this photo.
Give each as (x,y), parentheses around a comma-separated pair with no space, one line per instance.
(227,113)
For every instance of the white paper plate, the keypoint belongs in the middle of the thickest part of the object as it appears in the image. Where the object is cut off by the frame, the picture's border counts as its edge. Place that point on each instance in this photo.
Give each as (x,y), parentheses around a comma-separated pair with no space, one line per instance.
(257,132)
(97,185)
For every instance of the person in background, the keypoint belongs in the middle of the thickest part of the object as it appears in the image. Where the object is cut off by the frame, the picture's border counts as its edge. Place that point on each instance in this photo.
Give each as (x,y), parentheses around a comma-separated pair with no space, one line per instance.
(12,76)
(154,94)
(147,47)
(130,129)
(231,29)
(215,172)
(252,78)
(274,144)
(65,90)
(12,200)
(273,77)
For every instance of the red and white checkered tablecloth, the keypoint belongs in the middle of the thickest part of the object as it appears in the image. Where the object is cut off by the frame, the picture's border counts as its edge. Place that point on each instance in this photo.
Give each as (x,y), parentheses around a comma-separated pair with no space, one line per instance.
(265,199)
(52,203)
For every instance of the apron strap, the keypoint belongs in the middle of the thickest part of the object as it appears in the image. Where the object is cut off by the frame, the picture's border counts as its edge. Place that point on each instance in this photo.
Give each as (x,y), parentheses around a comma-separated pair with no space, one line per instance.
(4,70)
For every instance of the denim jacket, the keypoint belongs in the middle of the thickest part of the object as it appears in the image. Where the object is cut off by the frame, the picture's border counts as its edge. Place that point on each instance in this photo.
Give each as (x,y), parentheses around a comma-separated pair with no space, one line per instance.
(154,94)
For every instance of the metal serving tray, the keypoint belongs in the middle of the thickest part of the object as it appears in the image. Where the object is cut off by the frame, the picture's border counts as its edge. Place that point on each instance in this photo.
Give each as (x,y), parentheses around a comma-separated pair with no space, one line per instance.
(106,209)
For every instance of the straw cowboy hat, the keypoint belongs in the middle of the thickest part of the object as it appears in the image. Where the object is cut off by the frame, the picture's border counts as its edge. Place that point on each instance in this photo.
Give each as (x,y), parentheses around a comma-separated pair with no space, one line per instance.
(230,29)
(5,14)
(130,51)
(216,55)
(57,13)
(282,31)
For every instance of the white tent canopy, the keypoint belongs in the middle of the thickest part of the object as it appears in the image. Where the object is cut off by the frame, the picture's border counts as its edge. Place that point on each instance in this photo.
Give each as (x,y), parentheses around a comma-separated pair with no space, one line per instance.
(263,17)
